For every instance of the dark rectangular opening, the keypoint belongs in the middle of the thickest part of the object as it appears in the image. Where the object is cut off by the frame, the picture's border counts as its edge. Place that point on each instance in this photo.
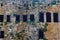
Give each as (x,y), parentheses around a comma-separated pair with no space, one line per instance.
(25,5)
(41,34)
(1,18)
(48,17)
(55,17)
(24,18)
(41,16)
(1,4)
(32,17)
(17,18)
(8,18)
(1,34)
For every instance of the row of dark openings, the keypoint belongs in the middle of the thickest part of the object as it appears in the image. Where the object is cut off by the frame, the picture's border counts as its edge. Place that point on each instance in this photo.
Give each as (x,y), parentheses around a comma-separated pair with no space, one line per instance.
(17,18)
(41,17)
(48,17)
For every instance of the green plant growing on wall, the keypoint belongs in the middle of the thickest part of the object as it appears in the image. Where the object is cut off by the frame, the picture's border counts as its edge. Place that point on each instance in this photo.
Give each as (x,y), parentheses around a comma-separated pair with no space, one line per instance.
(45,27)
(1,24)
(12,36)
(5,23)
(18,36)
(16,22)
(31,22)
